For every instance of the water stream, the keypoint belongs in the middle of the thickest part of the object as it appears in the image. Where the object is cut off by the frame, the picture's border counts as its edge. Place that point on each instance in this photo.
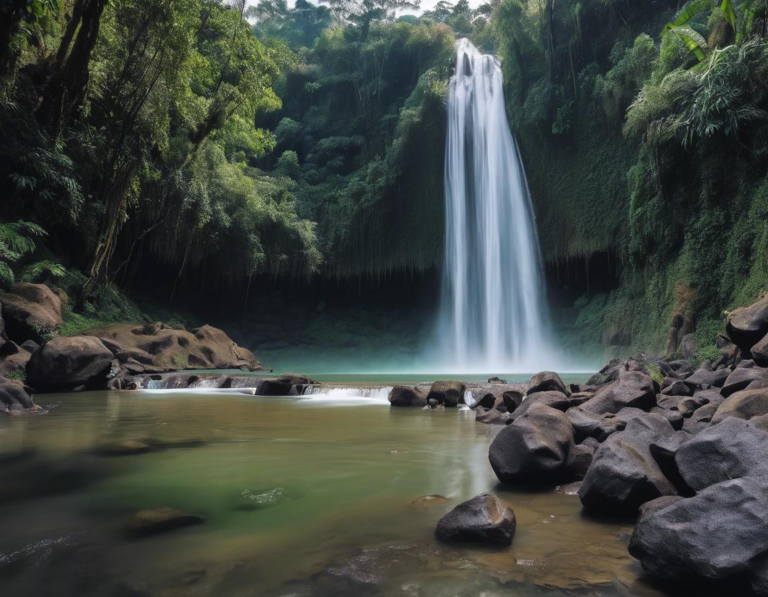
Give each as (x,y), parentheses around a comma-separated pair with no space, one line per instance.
(492,314)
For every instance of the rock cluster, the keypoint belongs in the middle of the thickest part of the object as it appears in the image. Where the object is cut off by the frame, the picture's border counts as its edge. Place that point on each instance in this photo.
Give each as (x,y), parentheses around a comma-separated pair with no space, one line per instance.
(108,357)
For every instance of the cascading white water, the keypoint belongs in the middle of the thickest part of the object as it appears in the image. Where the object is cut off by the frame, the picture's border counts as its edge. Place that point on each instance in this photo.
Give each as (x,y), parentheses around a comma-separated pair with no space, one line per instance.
(492,315)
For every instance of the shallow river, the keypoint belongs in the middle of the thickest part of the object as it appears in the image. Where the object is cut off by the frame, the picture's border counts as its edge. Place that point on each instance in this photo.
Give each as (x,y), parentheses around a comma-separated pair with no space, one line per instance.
(302,496)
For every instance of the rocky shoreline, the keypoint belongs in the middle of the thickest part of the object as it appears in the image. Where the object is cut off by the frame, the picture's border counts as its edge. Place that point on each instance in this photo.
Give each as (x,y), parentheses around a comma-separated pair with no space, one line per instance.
(682,449)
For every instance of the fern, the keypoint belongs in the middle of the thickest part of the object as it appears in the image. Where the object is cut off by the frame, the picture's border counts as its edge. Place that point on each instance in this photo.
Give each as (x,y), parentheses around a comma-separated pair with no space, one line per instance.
(41,270)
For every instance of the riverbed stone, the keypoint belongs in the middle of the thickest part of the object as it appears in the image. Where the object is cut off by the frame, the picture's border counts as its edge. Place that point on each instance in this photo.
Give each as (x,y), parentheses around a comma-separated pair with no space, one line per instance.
(31,312)
(704,378)
(745,378)
(735,448)
(408,396)
(449,393)
(68,362)
(588,424)
(631,389)
(580,458)
(483,519)
(15,398)
(533,448)
(743,405)
(746,326)
(624,473)
(712,535)
(553,399)
(547,381)
(160,520)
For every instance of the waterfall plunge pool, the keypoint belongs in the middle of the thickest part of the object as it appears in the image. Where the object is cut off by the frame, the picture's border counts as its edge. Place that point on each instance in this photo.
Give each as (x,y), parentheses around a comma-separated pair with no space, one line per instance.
(333,478)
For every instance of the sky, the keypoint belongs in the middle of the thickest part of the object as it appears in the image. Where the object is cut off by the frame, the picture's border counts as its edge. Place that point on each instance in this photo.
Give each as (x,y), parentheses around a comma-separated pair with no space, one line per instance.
(425,4)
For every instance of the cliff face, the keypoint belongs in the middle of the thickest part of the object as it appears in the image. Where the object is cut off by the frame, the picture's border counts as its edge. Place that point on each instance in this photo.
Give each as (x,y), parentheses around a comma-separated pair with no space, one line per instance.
(644,159)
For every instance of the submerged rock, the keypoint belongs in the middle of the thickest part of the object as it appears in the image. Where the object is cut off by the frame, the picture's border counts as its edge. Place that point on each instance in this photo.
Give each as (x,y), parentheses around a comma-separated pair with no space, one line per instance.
(428,501)
(483,519)
(260,499)
(160,520)
(15,398)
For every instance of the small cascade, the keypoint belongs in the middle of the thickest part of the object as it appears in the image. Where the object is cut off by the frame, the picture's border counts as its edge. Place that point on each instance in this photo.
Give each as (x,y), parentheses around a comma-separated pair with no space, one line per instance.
(375,394)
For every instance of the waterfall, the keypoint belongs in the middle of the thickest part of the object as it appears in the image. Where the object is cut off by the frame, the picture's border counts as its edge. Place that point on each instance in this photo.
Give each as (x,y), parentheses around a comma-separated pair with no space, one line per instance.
(492,313)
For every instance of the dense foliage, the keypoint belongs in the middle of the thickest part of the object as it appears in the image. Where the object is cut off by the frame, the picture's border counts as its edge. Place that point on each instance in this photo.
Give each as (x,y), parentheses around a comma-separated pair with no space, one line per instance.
(643,127)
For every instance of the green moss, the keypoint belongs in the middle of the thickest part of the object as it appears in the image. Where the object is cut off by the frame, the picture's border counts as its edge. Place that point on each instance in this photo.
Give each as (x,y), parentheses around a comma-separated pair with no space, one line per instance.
(18,375)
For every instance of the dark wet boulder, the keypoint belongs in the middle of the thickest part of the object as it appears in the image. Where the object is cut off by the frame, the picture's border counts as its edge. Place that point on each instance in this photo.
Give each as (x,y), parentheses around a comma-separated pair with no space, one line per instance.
(624,473)
(631,389)
(160,520)
(715,534)
(702,378)
(533,448)
(733,449)
(748,325)
(744,378)
(408,396)
(677,388)
(496,380)
(607,374)
(760,352)
(553,399)
(491,416)
(580,458)
(743,405)
(759,578)
(285,385)
(15,398)
(483,519)
(31,312)
(449,393)
(546,381)
(512,399)
(68,362)
(587,424)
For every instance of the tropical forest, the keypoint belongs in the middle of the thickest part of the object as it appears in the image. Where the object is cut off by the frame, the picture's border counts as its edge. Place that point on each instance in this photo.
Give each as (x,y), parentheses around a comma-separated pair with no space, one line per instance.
(387,298)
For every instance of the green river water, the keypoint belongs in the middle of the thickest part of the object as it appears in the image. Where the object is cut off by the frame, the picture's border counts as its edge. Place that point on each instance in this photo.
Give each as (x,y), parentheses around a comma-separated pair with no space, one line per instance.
(333,479)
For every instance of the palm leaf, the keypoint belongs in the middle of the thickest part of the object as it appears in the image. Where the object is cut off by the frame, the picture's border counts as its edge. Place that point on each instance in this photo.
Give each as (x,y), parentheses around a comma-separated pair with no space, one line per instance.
(729,13)
(689,10)
(692,40)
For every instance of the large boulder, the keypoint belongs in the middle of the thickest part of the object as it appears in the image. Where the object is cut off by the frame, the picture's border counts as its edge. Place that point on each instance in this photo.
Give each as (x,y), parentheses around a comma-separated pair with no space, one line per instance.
(735,448)
(704,378)
(15,398)
(12,357)
(587,424)
(533,448)
(546,381)
(156,347)
(31,312)
(483,519)
(760,352)
(743,378)
(714,535)
(743,405)
(408,396)
(551,398)
(69,362)
(748,325)
(624,473)
(632,388)
(285,385)
(449,393)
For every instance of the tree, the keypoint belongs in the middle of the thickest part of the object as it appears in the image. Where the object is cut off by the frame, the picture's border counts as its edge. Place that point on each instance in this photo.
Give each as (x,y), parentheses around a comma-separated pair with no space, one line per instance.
(363,13)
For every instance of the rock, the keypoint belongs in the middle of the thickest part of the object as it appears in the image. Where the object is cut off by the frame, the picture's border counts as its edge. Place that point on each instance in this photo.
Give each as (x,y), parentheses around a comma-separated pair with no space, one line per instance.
(713,535)
(674,417)
(285,385)
(15,399)
(496,380)
(69,362)
(533,448)
(124,448)
(743,405)
(483,519)
(491,416)
(512,399)
(449,393)
(156,347)
(748,325)
(408,396)
(677,388)
(632,388)
(160,520)
(261,499)
(31,312)
(587,424)
(428,501)
(29,345)
(759,579)
(624,473)
(580,458)
(733,449)
(12,357)
(547,381)
(553,399)
(704,378)
(607,374)
(688,346)
(760,352)
(743,378)
(700,419)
